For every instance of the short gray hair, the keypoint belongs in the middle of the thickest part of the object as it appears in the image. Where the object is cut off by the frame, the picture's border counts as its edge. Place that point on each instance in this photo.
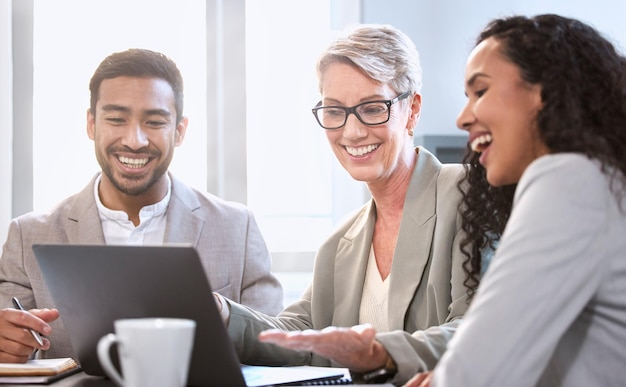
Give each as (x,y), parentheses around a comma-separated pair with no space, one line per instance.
(382,52)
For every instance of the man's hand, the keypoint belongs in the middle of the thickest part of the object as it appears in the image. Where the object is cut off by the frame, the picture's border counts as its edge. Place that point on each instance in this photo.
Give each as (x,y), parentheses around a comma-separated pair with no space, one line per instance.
(16,341)
(354,348)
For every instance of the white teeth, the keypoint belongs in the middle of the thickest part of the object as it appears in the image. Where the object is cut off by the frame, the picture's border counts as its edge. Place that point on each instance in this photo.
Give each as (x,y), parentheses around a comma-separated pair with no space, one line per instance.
(133,163)
(362,150)
(478,144)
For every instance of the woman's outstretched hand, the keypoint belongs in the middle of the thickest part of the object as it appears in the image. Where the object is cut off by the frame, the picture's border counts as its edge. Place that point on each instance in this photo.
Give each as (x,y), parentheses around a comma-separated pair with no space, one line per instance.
(420,380)
(354,348)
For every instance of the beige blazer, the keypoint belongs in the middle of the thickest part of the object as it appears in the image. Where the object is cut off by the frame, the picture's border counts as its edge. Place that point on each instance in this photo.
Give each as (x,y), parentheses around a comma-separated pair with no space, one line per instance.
(233,252)
(427,295)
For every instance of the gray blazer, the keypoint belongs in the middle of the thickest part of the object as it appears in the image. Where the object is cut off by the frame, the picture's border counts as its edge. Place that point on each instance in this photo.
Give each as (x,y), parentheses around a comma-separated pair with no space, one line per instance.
(233,252)
(427,295)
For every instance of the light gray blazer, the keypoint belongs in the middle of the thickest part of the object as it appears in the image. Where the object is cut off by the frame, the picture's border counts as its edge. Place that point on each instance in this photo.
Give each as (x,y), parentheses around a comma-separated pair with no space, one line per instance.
(551,309)
(232,250)
(427,295)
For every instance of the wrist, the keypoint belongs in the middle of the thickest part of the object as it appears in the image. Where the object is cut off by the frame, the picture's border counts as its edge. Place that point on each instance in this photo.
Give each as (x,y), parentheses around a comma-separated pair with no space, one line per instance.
(381,356)
(386,367)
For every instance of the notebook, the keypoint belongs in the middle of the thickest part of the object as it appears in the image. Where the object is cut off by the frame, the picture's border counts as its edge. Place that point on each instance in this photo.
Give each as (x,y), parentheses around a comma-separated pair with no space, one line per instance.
(94,285)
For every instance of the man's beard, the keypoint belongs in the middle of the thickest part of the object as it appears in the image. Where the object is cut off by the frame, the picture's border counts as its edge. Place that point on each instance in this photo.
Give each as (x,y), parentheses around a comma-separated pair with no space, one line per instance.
(133,185)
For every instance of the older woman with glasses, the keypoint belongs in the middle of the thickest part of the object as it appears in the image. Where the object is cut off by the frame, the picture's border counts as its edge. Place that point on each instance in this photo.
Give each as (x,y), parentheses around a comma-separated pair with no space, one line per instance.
(395,266)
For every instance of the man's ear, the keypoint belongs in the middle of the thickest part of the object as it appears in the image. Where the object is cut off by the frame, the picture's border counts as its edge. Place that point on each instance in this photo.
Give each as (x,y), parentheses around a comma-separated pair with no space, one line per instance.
(91,125)
(181,130)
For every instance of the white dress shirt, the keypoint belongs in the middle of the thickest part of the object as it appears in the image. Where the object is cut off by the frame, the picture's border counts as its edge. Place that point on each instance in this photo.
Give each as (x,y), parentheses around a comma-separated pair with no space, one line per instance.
(119,230)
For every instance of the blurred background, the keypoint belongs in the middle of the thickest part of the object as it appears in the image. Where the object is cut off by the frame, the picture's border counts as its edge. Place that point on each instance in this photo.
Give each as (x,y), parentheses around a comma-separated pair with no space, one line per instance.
(250,83)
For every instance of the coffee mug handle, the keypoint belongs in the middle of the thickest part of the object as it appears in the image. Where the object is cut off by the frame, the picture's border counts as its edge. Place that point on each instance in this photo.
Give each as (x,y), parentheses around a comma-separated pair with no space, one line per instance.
(104,346)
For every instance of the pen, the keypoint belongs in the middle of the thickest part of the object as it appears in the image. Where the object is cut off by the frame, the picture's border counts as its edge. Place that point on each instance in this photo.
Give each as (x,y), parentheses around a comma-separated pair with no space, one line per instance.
(19,306)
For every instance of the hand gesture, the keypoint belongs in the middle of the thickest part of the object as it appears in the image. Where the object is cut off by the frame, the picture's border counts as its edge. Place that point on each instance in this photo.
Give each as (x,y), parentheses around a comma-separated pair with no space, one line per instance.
(354,348)
(420,380)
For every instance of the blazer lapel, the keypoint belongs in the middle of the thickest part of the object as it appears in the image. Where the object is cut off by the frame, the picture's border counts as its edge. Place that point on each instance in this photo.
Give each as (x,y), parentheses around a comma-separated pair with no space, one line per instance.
(350,265)
(183,225)
(83,224)
(415,237)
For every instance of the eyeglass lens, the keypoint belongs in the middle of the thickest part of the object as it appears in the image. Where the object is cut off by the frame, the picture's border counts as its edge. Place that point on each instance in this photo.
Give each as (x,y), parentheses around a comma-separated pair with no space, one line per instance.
(369,113)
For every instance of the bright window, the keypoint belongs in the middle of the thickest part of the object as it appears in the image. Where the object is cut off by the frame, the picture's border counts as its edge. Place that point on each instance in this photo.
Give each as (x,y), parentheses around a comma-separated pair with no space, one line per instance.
(71,37)
(295,186)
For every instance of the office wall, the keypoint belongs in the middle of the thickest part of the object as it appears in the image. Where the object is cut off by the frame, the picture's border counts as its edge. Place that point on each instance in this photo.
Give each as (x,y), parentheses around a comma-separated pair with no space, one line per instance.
(6,116)
(444,32)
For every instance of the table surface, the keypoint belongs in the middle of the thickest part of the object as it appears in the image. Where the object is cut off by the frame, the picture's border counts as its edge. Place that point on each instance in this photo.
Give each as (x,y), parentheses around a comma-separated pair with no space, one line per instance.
(81,379)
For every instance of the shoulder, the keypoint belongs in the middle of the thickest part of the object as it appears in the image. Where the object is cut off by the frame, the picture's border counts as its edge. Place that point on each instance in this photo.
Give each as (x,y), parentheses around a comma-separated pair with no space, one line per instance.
(61,211)
(449,176)
(202,201)
(560,163)
(572,174)
(354,221)
(566,186)
(428,167)
(349,228)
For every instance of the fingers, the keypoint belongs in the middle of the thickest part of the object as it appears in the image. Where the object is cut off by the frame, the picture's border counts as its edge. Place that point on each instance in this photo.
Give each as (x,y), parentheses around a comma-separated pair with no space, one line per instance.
(6,357)
(47,315)
(350,347)
(364,329)
(296,340)
(419,380)
(17,342)
(36,319)
(332,337)
(271,335)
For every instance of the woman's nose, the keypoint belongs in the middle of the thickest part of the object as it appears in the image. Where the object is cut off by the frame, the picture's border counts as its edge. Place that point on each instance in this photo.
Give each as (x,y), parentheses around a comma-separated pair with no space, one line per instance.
(353,128)
(465,119)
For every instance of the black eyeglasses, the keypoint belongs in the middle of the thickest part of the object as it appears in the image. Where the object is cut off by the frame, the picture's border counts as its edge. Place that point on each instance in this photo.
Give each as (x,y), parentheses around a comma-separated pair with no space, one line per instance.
(369,113)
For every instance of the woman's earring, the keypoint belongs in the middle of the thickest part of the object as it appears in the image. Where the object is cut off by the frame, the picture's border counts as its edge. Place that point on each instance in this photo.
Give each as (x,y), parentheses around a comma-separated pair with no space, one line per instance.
(411,132)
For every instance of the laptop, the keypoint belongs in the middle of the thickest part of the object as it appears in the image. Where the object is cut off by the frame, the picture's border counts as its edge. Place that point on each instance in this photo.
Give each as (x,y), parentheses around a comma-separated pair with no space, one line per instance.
(94,285)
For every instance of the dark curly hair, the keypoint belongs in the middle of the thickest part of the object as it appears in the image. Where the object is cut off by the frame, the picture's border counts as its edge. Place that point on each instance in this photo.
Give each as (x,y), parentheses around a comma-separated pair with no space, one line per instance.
(484,213)
(583,91)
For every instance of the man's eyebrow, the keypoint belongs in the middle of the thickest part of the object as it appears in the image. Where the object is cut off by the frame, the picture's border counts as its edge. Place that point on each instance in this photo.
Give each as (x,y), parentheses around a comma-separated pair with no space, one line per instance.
(124,109)
(158,112)
(114,108)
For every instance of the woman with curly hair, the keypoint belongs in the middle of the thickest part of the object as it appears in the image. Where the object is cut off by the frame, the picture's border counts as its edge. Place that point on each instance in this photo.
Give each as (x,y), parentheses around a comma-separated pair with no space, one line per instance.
(546,114)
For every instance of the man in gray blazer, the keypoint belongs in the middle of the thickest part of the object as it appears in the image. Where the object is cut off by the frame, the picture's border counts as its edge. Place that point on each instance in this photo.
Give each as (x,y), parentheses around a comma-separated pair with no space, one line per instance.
(135,120)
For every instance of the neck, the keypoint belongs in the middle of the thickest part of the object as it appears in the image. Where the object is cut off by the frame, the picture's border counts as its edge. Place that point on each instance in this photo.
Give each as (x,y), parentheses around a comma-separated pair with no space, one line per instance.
(116,200)
(389,194)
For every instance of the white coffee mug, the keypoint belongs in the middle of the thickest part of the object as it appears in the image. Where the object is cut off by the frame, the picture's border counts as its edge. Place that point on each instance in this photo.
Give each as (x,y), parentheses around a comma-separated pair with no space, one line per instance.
(152,351)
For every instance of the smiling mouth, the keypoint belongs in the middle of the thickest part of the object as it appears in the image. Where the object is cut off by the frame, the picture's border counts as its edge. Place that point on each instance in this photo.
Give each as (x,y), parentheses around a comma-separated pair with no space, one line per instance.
(361,151)
(480,143)
(133,163)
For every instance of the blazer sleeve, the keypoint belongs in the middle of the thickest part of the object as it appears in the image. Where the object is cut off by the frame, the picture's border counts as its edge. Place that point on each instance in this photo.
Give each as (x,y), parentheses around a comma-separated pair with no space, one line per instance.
(13,278)
(550,263)
(421,350)
(260,289)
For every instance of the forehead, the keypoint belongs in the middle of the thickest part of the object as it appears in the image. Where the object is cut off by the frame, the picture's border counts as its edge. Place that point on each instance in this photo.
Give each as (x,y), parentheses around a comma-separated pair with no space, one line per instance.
(133,91)
(486,59)
(340,80)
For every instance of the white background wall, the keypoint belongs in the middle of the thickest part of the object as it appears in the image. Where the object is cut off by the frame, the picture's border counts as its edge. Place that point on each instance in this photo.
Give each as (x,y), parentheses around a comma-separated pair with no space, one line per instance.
(444,32)
(6,114)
